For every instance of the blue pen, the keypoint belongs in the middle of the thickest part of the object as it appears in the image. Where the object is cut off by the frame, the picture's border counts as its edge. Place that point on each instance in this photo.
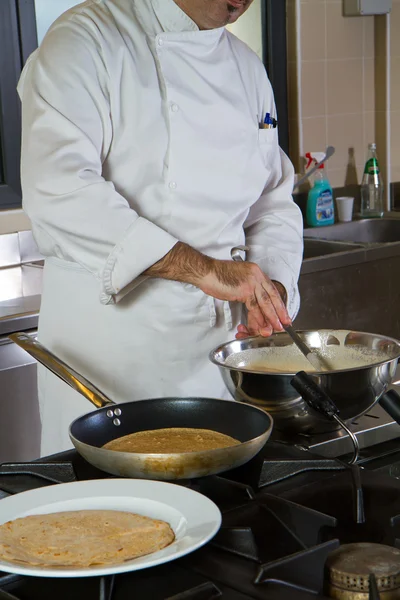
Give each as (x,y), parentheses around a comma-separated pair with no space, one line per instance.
(270,122)
(267,120)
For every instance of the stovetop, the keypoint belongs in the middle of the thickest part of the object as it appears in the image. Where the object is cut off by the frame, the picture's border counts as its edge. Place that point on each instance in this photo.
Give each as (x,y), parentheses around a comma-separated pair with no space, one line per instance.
(283,514)
(375,427)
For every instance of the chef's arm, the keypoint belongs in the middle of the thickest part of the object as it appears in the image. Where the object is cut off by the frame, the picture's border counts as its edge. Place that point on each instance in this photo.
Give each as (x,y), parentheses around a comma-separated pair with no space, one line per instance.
(76,214)
(227,280)
(274,230)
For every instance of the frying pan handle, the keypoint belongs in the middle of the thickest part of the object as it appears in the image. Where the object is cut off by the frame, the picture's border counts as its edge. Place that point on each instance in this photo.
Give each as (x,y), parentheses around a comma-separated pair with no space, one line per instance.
(235,253)
(319,400)
(314,395)
(61,369)
(390,402)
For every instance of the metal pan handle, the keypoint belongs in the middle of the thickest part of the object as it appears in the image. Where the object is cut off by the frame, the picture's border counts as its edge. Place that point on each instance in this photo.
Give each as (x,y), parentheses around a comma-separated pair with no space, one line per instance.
(236,255)
(319,400)
(78,382)
(390,402)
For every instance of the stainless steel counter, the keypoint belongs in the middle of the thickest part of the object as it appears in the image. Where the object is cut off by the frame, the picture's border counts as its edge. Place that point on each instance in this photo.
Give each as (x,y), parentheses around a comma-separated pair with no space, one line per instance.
(21,271)
(21,310)
(23,315)
(20,293)
(356,287)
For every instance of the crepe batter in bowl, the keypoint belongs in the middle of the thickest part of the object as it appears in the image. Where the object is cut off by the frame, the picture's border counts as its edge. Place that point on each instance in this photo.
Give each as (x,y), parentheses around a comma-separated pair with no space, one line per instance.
(288,359)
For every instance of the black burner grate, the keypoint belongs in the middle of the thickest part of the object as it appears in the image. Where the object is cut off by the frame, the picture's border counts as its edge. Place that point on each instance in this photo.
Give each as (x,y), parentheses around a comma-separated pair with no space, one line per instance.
(6,596)
(248,531)
(275,537)
(224,492)
(20,477)
(167,582)
(373,588)
(205,591)
(106,588)
(279,462)
(302,572)
(337,497)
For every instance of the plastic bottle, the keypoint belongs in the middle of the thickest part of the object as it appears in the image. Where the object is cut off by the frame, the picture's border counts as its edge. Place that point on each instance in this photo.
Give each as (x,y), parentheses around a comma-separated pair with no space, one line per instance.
(320,208)
(372,186)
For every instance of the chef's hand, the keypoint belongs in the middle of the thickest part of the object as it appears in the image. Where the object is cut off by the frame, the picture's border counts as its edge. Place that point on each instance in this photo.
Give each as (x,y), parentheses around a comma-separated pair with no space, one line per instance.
(245,282)
(253,327)
(227,280)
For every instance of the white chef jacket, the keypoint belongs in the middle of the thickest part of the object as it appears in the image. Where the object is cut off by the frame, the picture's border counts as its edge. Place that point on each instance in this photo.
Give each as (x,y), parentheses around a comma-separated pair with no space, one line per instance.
(140,130)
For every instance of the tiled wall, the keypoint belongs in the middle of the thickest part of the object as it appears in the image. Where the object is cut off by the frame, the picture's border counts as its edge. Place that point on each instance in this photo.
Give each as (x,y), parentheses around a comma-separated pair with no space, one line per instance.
(331,85)
(395,91)
(382,96)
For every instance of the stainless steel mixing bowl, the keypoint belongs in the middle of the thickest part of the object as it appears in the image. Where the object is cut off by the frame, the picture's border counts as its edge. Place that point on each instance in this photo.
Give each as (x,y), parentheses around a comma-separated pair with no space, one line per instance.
(354,390)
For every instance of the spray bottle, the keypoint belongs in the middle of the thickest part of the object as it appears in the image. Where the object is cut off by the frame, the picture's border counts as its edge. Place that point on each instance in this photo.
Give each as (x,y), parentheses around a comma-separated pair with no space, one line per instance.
(320,208)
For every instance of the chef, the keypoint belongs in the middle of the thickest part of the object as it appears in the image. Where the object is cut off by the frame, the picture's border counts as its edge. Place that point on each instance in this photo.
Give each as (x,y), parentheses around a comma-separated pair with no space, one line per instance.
(145,160)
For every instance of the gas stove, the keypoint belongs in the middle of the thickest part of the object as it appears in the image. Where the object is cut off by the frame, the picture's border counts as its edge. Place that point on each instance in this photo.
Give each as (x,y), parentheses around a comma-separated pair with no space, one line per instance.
(373,428)
(285,514)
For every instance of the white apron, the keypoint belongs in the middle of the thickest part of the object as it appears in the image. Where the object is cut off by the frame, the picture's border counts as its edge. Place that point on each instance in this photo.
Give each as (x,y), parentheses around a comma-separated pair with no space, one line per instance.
(138,131)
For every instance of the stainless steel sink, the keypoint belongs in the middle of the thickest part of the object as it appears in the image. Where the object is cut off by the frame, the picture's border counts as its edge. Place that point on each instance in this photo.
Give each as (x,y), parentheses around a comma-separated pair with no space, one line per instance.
(314,248)
(365,231)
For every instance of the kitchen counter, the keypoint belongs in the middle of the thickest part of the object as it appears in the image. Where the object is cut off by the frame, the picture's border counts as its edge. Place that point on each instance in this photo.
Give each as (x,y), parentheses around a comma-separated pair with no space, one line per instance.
(19,314)
(349,278)
(20,294)
(358,256)
(21,273)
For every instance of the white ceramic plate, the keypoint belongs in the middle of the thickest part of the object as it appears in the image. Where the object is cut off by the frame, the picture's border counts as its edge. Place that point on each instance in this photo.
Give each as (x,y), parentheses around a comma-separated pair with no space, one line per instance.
(193,517)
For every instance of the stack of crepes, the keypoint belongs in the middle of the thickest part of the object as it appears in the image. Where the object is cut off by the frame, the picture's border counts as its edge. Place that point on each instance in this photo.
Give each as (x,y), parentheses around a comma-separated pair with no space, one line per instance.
(82,539)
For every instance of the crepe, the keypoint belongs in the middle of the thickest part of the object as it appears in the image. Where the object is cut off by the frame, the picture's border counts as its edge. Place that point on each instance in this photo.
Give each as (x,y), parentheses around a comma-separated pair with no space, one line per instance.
(172,440)
(81,539)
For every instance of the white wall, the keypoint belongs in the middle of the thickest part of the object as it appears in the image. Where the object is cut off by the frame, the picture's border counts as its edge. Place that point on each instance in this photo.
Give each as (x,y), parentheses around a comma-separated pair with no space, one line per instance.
(47,11)
(249,27)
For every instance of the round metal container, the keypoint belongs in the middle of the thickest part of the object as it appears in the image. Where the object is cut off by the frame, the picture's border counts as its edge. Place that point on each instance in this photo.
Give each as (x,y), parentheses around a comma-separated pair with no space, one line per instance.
(348,571)
(353,390)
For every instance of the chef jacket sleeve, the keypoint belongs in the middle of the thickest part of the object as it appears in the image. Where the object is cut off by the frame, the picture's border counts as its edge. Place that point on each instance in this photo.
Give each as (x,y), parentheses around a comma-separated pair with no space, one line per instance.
(77,215)
(274,226)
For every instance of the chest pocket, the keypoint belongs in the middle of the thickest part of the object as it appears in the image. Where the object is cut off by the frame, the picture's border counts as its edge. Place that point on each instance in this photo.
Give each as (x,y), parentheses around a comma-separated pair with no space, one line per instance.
(267,142)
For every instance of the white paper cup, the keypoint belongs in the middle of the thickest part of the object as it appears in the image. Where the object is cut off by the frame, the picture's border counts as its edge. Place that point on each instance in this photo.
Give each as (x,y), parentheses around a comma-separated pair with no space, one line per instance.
(345,208)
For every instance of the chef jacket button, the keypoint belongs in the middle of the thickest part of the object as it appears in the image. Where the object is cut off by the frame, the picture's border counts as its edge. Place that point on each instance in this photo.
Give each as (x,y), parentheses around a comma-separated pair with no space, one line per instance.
(173,185)
(160,42)
(174,107)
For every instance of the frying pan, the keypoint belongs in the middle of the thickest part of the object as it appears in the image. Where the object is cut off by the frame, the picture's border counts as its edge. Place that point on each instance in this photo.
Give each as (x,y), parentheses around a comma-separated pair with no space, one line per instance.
(248,424)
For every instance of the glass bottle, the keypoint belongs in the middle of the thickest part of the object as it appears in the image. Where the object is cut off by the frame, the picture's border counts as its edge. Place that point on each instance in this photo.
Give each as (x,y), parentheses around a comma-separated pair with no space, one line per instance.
(372,186)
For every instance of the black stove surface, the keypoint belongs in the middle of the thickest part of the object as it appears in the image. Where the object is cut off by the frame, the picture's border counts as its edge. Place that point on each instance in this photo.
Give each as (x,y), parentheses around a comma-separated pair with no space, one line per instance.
(283,514)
